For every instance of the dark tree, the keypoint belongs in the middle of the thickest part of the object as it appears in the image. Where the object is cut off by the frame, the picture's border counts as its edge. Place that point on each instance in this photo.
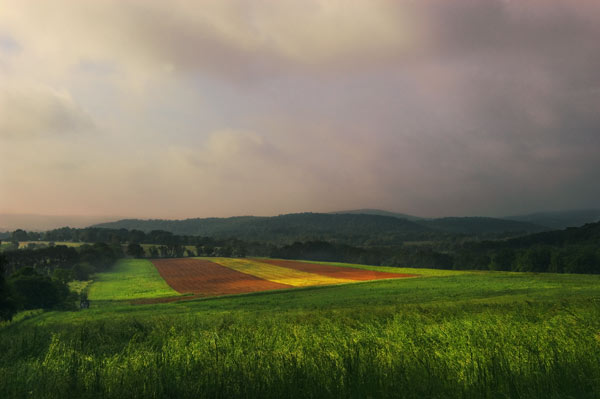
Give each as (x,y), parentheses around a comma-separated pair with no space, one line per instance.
(20,235)
(239,251)
(163,251)
(135,250)
(224,251)
(190,253)
(8,306)
(153,252)
(535,259)
(34,291)
(503,259)
(83,271)
(583,260)
(63,275)
(207,250)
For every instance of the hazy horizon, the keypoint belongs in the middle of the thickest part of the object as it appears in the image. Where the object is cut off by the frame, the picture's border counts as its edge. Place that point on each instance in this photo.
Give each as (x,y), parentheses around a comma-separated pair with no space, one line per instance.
(37,222)
(149,109)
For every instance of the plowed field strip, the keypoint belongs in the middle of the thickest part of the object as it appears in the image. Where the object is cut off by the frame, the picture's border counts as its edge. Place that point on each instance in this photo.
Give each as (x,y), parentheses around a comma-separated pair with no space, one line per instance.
(335,271)
(278,274)
(203,277)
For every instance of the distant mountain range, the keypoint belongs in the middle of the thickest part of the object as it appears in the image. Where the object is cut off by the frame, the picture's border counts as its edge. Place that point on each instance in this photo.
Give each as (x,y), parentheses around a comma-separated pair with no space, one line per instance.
(588,234)
(349,228)
(379,212)
(560,219)
(554,220)
(356,226)
(353,227)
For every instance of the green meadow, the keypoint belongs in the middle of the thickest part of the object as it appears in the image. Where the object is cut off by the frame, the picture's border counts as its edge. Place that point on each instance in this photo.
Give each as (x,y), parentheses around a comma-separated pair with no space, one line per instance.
(130,279)
(443,335)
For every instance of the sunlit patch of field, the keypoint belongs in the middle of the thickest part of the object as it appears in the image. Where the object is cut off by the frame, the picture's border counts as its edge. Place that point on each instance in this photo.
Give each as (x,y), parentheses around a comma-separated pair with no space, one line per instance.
(278,274)
(130,279)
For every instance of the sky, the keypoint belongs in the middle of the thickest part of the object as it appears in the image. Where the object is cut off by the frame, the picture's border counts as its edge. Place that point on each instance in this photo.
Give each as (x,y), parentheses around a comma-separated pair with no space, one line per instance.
(180,109)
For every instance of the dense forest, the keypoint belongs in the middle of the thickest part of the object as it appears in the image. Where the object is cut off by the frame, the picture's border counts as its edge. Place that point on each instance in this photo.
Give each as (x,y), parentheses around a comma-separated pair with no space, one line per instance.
(574,250)
(352,229)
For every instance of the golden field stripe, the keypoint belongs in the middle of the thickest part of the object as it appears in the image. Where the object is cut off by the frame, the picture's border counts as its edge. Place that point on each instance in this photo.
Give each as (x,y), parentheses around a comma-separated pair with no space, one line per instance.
(278,274)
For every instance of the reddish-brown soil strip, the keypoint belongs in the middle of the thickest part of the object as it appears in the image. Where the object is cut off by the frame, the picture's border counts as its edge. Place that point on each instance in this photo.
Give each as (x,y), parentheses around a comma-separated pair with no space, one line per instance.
(335,271)
(205,278)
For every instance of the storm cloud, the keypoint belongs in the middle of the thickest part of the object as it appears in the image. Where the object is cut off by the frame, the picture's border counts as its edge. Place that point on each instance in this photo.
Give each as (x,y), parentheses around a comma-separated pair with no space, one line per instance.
(218,108)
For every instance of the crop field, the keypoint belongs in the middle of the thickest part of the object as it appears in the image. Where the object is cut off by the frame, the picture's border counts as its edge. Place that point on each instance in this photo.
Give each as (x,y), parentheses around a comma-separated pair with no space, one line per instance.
(283,275)
(446,334)
(224,276)
(203,277)
(346,273)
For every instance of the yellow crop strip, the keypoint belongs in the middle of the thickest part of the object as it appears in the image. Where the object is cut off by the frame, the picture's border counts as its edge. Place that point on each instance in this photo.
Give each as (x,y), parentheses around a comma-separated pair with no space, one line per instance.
(278,274)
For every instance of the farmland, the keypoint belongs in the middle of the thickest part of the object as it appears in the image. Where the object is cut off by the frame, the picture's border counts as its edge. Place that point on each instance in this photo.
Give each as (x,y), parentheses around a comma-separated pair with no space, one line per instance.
(198,276)
(443,334)
(222,276)
(347,273)
(282,275)
(130,279)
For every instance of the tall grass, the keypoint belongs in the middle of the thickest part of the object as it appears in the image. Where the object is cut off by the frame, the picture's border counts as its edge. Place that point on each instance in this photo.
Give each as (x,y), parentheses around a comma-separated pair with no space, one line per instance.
(479,336)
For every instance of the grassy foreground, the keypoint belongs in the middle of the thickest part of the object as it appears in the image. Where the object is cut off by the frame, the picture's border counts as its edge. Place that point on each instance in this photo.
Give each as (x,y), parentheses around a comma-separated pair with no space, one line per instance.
(463,335)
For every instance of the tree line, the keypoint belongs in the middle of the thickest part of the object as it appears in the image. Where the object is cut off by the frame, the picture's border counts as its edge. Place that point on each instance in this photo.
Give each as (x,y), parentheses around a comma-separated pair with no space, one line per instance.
(574,250)
(38,278)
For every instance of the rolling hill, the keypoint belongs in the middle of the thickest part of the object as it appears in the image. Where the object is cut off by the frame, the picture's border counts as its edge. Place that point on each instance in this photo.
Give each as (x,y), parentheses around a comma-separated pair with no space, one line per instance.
(352,228)
(588,234)
(380,212)
(560,219)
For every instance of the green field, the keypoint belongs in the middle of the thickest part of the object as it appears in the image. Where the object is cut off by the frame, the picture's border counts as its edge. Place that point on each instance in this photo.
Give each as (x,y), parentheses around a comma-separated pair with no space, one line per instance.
(447,334)
(130,279)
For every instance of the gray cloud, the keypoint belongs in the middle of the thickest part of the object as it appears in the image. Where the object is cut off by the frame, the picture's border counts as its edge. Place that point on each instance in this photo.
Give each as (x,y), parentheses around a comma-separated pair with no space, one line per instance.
(432,107)
(38,111)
